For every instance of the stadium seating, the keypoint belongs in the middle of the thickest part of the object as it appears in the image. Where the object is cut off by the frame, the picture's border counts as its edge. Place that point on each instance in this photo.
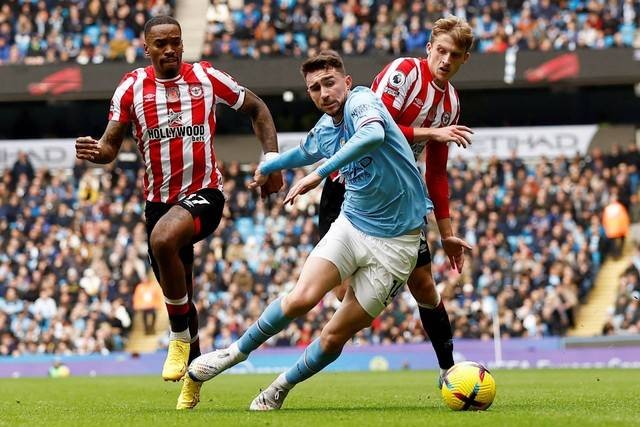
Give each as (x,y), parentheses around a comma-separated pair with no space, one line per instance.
(624,318)
(286,28)
(91,31)
(95,31)
(73,249)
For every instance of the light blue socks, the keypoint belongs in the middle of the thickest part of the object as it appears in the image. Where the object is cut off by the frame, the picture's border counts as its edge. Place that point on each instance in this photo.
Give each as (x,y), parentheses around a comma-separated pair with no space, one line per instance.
(312,361)
(271,321)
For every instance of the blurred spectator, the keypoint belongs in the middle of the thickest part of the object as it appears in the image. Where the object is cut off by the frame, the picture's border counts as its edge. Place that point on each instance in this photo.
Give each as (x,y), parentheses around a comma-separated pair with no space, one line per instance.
(624,318)
(147,300)
(615,220)
(22,166)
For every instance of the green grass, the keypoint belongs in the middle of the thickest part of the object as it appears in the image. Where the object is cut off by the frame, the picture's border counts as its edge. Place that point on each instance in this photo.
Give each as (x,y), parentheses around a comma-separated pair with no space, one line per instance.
(536,398)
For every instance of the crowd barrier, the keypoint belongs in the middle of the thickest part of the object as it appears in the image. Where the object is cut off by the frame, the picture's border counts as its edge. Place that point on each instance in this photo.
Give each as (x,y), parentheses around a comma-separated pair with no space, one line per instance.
(513,354)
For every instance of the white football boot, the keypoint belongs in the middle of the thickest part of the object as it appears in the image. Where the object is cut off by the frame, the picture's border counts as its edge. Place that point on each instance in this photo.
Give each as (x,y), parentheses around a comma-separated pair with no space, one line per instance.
(209,365)
(269,399)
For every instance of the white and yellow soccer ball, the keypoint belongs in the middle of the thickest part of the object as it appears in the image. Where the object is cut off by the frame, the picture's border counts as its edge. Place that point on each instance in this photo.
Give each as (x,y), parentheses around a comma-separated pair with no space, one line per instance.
(468,386)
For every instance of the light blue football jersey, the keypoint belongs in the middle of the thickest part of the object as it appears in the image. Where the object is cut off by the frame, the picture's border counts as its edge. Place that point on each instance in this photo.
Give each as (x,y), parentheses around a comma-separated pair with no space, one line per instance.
(385,194)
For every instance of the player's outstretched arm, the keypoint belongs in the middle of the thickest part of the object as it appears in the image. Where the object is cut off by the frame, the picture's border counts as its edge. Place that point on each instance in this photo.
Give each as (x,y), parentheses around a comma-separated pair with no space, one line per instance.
(303,186)
(265,131)
(106,149)
(459,134)
(368,137)
(293,158)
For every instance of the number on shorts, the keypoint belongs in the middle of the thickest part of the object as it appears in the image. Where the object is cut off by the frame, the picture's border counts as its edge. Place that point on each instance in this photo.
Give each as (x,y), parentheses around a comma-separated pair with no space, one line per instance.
(397,285)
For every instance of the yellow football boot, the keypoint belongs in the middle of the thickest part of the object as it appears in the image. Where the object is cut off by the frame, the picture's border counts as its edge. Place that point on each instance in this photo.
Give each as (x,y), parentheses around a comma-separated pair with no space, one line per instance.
(190,394)
(175,366)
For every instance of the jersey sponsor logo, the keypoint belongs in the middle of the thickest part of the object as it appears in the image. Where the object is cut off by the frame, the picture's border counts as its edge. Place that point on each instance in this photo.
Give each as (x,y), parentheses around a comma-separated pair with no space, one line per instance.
(357,172)
(175,118)
(195,90)
(397,79)
(196,132)
(173,94)
(391,92)
(446,117)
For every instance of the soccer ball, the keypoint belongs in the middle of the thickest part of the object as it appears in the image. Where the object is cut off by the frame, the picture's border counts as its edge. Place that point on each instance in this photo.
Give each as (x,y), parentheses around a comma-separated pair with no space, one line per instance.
(468,386)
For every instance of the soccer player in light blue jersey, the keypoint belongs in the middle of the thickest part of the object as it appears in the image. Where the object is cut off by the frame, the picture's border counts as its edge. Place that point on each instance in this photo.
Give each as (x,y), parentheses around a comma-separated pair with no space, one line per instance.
(374,241)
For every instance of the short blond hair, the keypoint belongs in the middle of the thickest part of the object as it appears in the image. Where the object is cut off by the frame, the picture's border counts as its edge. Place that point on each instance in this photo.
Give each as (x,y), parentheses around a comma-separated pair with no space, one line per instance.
(457,28)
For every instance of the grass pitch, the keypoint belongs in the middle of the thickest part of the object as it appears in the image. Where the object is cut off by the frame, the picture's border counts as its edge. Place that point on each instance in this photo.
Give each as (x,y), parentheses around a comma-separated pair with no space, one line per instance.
(595,397)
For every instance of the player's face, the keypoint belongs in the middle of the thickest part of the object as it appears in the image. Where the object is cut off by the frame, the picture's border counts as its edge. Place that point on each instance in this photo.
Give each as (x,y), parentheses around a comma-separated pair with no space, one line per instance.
(445,57)
(328,89)
(164,46)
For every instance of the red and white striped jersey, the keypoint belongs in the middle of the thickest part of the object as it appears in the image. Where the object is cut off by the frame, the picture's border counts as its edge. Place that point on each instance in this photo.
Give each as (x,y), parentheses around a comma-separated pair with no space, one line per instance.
(407,89)
(174,123)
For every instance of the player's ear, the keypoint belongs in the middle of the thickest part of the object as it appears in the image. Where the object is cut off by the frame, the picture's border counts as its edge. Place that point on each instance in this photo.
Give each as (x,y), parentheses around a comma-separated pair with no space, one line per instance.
(466,56)
(348,81)
(146,49)
(428,48)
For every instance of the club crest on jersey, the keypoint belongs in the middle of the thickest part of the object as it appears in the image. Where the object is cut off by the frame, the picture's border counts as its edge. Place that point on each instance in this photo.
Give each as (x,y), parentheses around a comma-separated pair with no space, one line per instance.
(446,117)
(173,94)
(196,91)
(431,115)
(397,79)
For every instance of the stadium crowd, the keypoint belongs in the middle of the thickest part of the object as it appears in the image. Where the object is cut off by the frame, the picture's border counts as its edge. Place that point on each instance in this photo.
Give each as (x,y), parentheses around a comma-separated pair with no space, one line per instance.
(82,31)
(73,249)
(93,31)
(624,318)
(240,28)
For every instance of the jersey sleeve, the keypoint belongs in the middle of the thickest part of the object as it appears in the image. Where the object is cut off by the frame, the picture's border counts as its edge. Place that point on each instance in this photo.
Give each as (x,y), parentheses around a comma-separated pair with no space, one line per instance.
(437,179)
(361,109)
(394,84)
(121,107)
(310,146)
(456,119)
(225,89)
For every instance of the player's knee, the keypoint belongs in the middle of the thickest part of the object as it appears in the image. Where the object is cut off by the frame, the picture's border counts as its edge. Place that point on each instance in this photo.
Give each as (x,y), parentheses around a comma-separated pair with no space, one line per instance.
(162,244)
(423,287)
(332,341)
(297,303)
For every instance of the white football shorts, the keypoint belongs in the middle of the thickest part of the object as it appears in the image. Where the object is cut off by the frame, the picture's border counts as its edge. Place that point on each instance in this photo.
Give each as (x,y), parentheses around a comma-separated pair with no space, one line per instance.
(378,266)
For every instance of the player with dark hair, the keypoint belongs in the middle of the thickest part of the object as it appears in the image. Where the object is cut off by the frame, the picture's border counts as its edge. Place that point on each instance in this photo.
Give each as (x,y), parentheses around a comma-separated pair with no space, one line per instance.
(171,105)
(374,242)
(426,107)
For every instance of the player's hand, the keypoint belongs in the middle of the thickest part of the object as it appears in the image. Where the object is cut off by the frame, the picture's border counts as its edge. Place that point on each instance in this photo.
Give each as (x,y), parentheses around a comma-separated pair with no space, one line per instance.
(461,135)
(87,148)
(303,186)
(272,185)
(258,179)
(454,248)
